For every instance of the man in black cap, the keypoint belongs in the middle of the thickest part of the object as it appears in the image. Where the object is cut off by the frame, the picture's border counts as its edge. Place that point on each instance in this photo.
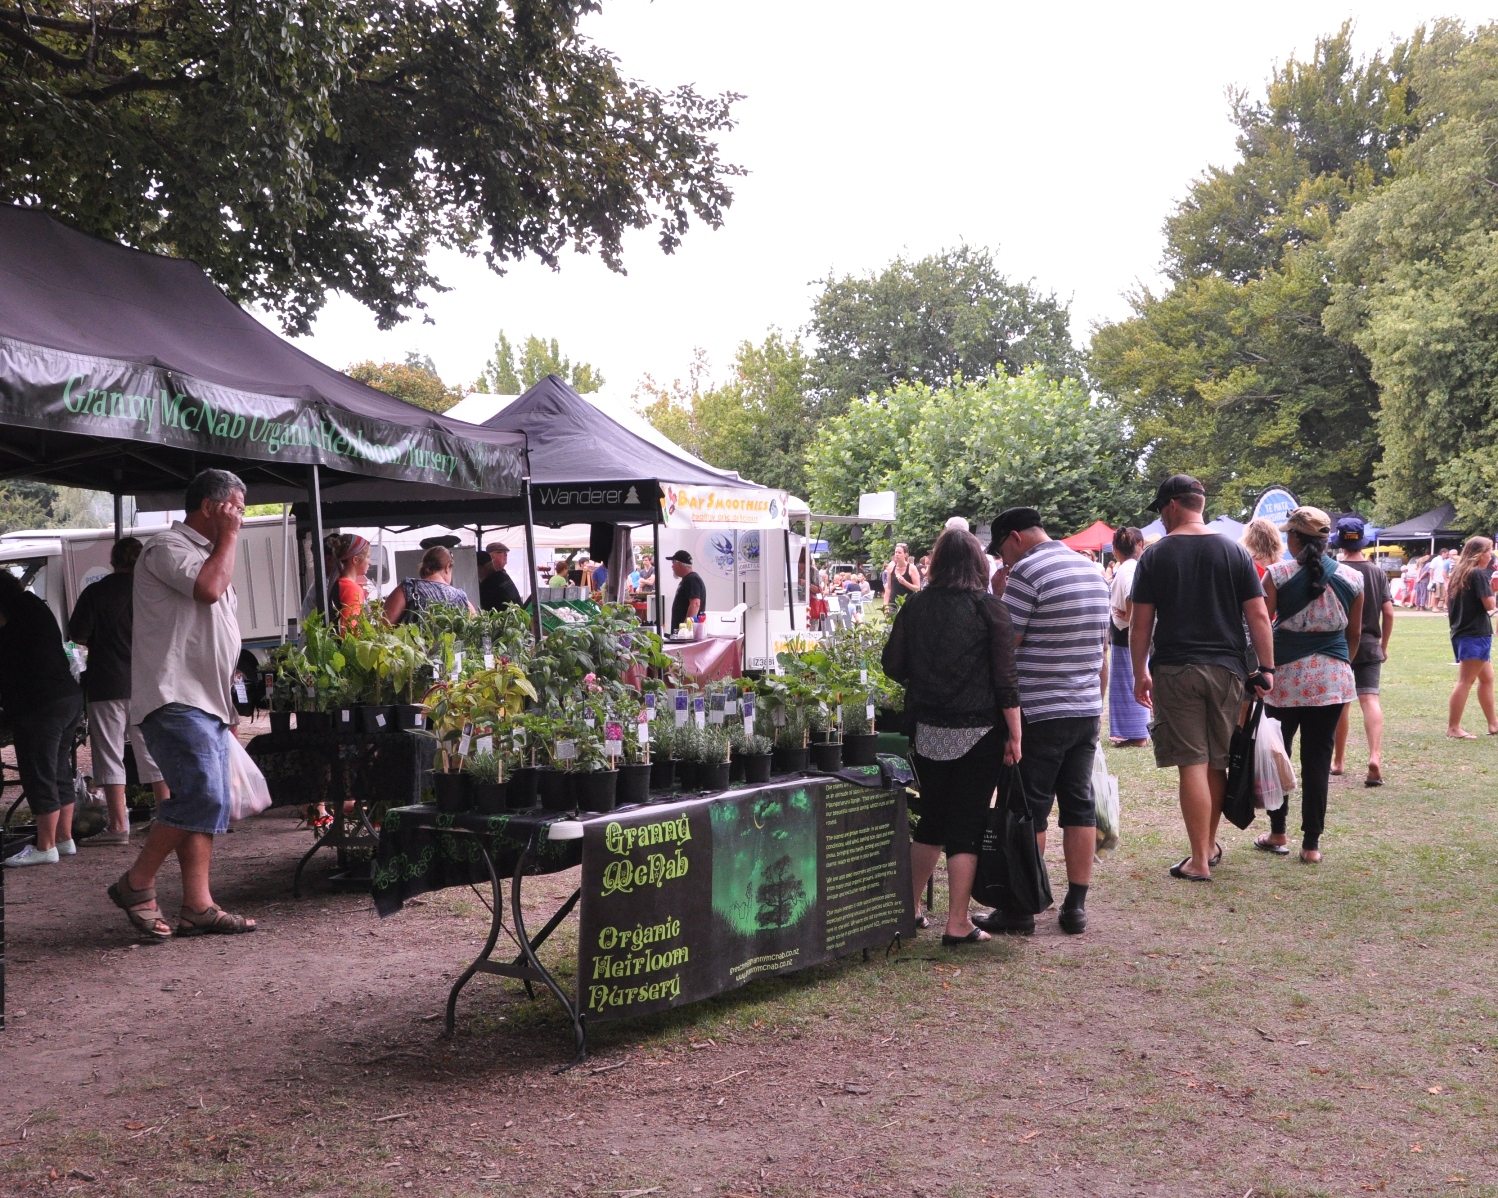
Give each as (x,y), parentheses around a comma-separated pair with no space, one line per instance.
(1058,601)
(1193,593)
(691,591)
(496,588)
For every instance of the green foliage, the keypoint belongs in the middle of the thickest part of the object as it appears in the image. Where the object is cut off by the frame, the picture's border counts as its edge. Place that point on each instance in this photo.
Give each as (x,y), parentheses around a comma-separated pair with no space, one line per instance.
(974,449)
(25,505)
(1229,374)
(294,148)
(415,380)
(930,321)
(538,358)
(1418,264)
(759,424)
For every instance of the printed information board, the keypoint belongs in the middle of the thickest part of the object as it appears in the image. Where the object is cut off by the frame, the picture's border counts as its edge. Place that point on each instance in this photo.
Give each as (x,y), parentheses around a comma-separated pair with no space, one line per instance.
(685,900)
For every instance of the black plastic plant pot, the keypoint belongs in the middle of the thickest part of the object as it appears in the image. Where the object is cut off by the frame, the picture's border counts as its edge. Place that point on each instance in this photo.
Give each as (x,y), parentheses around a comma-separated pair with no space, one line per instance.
(410,716)
(280,723)
(377,719)
(859,748)
(824,737)
(712,775)
(790,761)
(312,722)
(757,767)
(662,773)
(345,719)
(634,784)
(827,758)
(596,791)
(686,775)
(453,792)
(522,791)
(736,766)
(489,798)
(555,789)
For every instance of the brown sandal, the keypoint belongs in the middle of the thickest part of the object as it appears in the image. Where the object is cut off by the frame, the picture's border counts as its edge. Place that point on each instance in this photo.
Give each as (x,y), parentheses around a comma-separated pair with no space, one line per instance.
(215,920)
(136,904)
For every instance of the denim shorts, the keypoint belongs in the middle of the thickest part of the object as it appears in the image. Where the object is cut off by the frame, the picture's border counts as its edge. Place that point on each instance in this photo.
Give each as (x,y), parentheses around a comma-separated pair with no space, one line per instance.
(1473,648)
(191,749)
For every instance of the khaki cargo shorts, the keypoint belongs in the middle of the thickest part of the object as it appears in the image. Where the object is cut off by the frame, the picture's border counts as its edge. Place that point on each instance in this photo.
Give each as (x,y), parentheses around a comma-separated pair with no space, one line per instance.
(1196,710)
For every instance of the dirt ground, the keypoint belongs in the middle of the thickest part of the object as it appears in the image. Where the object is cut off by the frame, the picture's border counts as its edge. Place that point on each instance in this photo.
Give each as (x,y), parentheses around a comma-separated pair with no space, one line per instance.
(1287,1031)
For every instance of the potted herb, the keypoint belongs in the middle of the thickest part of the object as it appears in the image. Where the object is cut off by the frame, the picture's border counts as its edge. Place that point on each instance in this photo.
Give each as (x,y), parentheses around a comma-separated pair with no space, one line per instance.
(712,758)
(485,773)
(791,756)
(635,771)
(662,751)
(524,733)
(860,741)
(594,781)
(756,756)
(684,748)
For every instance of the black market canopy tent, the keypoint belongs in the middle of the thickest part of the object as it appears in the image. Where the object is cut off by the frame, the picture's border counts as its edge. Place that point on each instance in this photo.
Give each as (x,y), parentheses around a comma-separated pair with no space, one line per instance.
(129,372)
(1432,526)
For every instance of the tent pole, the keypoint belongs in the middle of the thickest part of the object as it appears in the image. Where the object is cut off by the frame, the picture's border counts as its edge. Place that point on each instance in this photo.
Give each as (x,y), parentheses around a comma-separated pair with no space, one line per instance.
(119,516)
(285,563)
(790,587)
(655,563)
(319,555)
(530,558)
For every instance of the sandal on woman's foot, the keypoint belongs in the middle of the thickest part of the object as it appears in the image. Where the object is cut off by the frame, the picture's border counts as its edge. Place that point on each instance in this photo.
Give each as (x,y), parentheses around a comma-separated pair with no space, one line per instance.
(1216,858)
(976,936)
(1310,856)
(922,921)
(1265,845)
(1178,870)
(220,922)
(140,909)
(1375,776)
(1462,735)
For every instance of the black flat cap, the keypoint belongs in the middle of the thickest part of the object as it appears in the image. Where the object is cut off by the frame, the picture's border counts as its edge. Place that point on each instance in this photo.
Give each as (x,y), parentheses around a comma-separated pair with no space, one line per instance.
(1011,519)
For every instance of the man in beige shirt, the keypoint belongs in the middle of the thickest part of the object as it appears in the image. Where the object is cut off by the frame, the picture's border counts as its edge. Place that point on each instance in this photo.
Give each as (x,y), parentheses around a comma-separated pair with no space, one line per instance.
(185,646)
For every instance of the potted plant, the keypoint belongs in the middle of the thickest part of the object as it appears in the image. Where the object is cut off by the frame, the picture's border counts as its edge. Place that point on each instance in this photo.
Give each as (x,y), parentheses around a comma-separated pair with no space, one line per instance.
(860,741)
(684,750)
(561,750)
(485,773)
(756,756)
(662,752)
(635,771)
(594,780)
(791,756)
(450,712)
(712,758)
(525,734)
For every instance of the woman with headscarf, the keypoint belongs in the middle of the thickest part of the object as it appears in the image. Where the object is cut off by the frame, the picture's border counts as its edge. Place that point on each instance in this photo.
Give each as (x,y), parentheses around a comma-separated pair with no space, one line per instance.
(1317,607)
(1469,613)
(434,588)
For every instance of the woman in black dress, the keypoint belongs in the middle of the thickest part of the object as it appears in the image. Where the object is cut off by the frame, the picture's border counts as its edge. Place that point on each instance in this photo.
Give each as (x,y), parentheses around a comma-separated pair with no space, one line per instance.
(952,648)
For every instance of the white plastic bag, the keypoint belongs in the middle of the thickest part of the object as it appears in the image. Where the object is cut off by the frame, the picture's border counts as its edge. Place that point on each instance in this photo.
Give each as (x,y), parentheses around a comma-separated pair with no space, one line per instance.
(1105,802)
(1274,775)
(248,793)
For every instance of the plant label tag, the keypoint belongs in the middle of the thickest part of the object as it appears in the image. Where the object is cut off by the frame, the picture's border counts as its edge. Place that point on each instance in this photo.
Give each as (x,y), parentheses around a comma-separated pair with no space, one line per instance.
(488,661)
(292,723)
(731,706)
(566,750)
(345,716)
(270,683)
(420,719)
(780,717)
(613,739)
(699,711)
(863,677)
(465,740)
(589,720)
(643,733)
(380,719)
(681,709)
(868,709)
(749,709)
(485,744)
(839,715)
(649,712)
(719,709)
(241,692)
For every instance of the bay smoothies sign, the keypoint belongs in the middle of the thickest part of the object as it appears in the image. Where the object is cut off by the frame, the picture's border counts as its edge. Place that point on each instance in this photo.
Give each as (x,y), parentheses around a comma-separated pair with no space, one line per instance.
(73,393)
(684,901)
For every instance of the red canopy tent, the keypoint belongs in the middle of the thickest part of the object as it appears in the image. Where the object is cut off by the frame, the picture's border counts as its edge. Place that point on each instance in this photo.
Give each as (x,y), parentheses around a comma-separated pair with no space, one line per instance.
(1097,536)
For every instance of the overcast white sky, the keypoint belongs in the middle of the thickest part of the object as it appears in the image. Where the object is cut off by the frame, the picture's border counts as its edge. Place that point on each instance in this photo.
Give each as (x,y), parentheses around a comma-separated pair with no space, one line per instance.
(1059,135)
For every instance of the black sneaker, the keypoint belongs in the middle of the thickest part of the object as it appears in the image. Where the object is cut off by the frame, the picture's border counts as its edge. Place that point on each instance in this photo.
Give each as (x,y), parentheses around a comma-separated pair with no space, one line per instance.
(1003,924)
(1072,920)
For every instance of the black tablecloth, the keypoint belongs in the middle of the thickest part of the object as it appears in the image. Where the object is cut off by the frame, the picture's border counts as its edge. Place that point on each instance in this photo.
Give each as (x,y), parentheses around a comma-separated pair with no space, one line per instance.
(385,767)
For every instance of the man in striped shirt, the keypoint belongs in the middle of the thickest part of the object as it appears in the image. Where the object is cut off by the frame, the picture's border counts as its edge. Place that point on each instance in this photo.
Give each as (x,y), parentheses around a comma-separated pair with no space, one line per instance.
(1058,601)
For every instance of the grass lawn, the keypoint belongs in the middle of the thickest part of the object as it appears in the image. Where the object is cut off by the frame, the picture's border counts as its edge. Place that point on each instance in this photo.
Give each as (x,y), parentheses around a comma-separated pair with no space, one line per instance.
(1287,1031)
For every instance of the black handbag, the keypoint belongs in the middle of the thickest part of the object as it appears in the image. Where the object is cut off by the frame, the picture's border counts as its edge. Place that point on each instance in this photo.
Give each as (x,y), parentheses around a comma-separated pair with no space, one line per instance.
(1011,872)
(1238,800)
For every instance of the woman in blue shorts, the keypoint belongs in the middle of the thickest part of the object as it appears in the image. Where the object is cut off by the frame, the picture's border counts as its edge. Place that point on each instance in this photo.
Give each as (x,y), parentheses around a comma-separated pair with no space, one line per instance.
(1469,609)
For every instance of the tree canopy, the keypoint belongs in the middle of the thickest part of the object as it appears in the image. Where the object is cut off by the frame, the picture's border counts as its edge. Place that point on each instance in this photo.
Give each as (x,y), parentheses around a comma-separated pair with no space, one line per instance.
(759,423)
(931,320)
(975,448)
(1229,374)
(503,375)
(297,147)
(415,380)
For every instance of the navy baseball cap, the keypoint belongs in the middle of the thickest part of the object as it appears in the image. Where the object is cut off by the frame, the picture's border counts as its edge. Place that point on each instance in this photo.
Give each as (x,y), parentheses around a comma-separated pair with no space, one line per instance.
(1351,533)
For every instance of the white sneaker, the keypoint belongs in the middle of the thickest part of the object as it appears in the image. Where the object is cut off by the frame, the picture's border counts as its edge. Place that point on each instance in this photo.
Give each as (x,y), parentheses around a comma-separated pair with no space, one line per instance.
(107,837)
(67,848)
(31,855)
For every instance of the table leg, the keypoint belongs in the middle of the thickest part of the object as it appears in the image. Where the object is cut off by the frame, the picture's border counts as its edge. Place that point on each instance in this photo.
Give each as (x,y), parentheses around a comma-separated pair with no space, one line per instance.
(529,950)
(496,922)
(296,878)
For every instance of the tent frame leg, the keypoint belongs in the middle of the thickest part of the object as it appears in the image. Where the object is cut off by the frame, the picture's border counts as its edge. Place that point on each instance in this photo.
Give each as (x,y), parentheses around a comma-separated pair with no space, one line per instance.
(530,558)
(319,563)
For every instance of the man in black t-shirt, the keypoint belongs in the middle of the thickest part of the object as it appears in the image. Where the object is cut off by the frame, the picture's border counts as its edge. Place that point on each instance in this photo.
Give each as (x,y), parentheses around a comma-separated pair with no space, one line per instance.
(1193,591)
(691,591)
(497,588)
(1373,648)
